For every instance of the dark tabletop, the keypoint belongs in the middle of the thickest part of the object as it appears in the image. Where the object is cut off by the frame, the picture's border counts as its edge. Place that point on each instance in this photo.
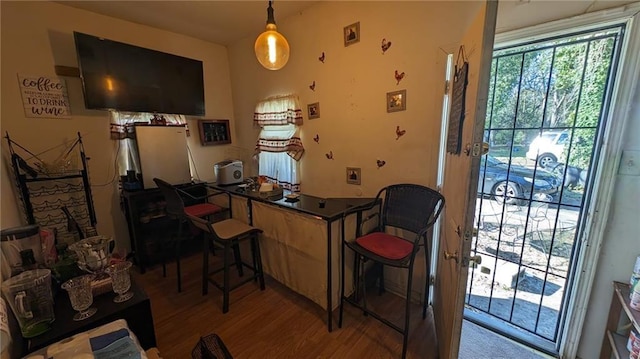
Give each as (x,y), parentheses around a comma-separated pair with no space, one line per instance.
(333,208)
(64,325)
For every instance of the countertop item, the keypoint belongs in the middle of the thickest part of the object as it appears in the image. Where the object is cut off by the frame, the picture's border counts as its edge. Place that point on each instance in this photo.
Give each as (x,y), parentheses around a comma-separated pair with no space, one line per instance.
(228,172)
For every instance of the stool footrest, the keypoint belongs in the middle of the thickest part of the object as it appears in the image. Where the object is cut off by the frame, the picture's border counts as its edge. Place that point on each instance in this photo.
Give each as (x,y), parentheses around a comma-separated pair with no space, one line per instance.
(375,315)
(246,265)
(232,287)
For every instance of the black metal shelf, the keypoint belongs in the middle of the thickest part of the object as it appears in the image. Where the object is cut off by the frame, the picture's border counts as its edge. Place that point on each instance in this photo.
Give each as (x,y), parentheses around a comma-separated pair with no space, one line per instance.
(44,193)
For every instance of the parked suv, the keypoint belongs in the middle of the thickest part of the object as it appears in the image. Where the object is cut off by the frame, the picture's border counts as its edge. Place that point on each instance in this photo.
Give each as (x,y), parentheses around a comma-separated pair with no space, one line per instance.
(548,147)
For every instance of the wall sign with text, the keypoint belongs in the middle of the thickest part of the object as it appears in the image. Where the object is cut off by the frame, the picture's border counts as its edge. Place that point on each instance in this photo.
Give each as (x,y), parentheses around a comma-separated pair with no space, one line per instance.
(44,96)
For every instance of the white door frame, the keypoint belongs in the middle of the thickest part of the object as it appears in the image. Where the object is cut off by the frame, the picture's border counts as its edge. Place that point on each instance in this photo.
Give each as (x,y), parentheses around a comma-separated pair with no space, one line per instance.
(611,151)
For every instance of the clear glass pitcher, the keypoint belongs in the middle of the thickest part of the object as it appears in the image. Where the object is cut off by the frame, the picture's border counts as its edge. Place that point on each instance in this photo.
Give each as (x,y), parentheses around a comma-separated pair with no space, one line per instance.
(93,253)
(30,298)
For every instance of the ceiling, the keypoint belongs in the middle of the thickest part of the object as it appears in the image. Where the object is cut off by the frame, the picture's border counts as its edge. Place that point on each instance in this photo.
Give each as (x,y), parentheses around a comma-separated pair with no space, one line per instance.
(225,22)
(220,22)
(516,14)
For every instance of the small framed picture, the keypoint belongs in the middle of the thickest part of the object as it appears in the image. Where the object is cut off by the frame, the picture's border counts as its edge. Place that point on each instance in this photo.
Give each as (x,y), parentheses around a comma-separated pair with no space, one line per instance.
(397,101)
(214,132)
(351,34)
(353,175)
(313,110)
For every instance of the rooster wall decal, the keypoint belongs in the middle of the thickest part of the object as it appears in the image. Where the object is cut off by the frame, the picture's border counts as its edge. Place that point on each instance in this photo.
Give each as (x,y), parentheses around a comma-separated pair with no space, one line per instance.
(399,132)
(385,45)
(313,86)
(399,77)
(321,58)
(329,155)
(317,138)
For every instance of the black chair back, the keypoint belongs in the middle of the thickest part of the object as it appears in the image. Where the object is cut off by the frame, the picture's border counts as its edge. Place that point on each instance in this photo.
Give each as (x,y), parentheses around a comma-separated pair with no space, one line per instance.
(410,207)
(175,204)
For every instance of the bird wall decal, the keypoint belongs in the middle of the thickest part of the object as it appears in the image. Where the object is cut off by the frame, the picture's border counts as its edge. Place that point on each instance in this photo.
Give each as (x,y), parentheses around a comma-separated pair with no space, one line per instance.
(313,86)
(380,163)
(317,138)
(329,155)
(399,77)
(385,45)
(321,58)
(399,132)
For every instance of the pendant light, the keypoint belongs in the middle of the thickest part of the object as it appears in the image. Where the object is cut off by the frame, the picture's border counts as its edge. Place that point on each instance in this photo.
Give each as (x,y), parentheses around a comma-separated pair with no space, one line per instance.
(272,49)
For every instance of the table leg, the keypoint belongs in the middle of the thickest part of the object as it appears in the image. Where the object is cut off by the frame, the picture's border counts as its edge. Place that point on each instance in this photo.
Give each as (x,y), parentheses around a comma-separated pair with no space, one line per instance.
(250,211)
(329,278)
(205,264)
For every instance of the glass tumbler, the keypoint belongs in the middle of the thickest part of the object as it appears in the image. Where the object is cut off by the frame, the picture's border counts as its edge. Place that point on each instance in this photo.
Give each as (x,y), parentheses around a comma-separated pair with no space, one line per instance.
(80,295)
(120,280)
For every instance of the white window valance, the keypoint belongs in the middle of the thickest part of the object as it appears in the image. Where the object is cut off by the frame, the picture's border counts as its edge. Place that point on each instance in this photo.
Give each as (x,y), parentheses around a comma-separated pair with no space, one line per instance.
(280,139)
(280,110)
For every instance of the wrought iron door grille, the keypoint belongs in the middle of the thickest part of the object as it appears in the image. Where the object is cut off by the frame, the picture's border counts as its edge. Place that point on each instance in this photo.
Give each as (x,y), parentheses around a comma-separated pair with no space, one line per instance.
(548,102)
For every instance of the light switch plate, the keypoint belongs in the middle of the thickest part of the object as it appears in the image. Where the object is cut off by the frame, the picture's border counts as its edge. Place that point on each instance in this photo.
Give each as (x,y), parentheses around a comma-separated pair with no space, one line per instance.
(630,163)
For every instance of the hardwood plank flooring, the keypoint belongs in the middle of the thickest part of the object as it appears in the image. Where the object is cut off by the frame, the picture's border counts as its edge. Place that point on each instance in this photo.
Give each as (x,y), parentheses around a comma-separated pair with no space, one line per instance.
(274,323)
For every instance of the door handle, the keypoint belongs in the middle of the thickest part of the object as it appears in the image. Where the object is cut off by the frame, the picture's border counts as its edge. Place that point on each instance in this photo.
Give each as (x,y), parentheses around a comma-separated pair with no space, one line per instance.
(479,149)
(453,256)
(477,260)
(485,148)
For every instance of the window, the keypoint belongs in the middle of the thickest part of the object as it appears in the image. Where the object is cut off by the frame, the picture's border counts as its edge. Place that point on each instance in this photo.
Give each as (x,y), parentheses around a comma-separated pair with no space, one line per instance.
(279,147)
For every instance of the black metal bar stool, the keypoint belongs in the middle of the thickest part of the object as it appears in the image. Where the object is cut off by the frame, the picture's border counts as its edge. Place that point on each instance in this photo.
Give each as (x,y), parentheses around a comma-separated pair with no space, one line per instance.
(411,208)
(227,235)
(176,209)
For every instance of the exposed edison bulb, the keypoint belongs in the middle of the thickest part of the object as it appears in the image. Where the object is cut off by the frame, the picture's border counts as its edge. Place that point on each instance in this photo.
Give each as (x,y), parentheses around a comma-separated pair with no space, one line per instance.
(272,49)
(109,83)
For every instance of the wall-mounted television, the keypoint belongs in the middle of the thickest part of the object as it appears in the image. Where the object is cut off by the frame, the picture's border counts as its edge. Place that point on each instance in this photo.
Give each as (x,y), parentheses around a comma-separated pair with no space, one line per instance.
(129,78)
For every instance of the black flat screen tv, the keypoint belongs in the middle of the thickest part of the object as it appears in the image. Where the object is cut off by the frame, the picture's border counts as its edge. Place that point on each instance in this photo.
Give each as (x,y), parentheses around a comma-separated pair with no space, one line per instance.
(129,78)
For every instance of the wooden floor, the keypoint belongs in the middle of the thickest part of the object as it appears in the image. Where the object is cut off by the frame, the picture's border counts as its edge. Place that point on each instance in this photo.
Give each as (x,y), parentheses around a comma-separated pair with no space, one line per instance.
(274,323)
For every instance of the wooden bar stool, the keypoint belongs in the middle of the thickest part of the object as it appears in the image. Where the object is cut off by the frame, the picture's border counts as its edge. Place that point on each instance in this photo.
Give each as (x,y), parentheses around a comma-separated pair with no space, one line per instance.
(227,235)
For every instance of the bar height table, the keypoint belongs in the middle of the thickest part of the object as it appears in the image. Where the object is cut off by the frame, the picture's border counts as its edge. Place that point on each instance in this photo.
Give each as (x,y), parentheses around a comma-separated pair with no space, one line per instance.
(332,209)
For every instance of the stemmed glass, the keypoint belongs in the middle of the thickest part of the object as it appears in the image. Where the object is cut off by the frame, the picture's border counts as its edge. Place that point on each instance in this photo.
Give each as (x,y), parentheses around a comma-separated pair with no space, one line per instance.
(80,295)
(120,280)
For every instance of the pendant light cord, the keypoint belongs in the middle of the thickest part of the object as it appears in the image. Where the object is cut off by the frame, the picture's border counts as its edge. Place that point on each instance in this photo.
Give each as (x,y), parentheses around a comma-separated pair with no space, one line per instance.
(270,17)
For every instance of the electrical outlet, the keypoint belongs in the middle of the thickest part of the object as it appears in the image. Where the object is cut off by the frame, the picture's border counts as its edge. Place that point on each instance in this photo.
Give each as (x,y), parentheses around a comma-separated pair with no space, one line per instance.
(630,163)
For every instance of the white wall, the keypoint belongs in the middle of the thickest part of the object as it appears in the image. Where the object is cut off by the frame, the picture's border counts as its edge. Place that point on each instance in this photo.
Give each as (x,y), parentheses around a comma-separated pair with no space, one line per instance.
(36,36)
(351,87)
(621,243)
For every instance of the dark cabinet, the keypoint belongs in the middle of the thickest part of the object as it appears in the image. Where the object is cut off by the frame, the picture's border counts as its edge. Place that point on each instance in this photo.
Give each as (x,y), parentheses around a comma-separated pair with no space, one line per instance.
(149,225)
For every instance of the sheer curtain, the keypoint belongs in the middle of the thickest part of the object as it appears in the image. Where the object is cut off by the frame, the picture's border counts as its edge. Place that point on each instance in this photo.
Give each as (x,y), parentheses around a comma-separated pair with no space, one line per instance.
(279,147)
(122,129)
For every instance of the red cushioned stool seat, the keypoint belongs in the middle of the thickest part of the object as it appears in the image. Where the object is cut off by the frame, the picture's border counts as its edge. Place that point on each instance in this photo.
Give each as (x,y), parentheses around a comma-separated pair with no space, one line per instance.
(202,209)
(385,245)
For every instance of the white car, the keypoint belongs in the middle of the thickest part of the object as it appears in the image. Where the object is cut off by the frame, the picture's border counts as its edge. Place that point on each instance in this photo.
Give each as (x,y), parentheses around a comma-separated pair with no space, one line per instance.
(548,147)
